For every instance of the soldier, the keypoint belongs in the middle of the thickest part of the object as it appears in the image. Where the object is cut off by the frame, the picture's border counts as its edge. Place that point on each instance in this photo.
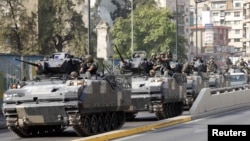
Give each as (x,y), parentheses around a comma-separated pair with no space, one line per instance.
(73,75)
(211,65)
(229,62)
(243,63)
(89,67)
(152,60)
(156,66)
(169,55)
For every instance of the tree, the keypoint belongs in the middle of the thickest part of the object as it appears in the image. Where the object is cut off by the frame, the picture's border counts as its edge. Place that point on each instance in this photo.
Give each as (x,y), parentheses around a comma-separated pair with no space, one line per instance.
(18,28)
(153,30)
(61,27)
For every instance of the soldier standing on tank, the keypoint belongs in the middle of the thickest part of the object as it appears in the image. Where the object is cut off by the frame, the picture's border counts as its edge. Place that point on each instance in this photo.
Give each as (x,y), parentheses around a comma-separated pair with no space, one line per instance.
(211,65)
(89,67)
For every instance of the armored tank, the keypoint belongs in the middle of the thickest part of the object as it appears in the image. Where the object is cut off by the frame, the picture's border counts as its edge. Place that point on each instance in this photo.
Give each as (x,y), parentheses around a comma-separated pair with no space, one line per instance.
(217,80)
(163,95)
(197,78)
(195,82)
(57,98)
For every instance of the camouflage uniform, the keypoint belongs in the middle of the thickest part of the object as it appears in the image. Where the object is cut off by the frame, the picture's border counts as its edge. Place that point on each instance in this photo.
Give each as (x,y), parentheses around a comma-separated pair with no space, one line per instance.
(89,67)
(243,63)
(211,65)
(156,66)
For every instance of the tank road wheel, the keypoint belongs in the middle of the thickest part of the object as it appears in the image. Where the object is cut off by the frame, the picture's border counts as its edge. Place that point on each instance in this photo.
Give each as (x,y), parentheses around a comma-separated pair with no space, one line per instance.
(100,123)
(171,109)
(162,114)
(180,108)
(94,124)
(121,119)
(113,121)
(87,125)
(107,124)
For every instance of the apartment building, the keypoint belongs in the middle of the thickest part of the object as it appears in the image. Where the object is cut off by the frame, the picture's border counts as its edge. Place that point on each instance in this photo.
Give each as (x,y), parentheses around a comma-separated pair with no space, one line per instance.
(183,14)
(224,14)
(246,28)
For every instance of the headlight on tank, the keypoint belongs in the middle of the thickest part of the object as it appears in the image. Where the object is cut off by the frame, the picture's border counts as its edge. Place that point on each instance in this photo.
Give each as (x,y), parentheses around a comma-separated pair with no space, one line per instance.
(9,96)
(157,80)
(77,83)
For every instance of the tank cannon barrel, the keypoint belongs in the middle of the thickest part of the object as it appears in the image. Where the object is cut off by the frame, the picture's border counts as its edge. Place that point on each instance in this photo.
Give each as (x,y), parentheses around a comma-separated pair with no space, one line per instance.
(122,59)
(30,63)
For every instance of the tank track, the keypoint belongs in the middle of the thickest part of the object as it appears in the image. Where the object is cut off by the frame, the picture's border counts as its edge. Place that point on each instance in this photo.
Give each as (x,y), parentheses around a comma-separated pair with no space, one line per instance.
(170,110)
(32,131)
(91,124)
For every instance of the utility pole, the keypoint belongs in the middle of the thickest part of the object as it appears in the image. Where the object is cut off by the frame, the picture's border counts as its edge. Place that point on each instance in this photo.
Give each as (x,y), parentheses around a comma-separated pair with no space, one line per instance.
(88,26)
(176,35)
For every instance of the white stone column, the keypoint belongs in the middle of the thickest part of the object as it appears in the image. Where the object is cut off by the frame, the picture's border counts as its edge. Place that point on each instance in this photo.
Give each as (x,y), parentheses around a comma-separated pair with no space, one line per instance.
(103,43)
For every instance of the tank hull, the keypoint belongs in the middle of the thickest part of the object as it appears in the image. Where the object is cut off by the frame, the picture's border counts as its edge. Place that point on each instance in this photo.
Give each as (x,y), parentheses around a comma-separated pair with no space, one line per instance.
(49,107)
(163,96)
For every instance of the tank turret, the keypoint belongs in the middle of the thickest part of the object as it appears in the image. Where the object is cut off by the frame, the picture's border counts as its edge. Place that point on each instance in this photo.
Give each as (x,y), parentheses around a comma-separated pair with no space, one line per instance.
(57,64)
(133,65)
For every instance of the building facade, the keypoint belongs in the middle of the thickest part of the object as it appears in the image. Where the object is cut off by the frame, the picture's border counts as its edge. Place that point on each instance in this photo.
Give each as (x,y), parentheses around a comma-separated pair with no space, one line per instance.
(246,28)
(226,16)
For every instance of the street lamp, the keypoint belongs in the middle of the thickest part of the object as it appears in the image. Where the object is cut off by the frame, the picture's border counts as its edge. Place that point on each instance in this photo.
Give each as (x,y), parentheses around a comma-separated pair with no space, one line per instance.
(196,21)
(132,26)
(176,34)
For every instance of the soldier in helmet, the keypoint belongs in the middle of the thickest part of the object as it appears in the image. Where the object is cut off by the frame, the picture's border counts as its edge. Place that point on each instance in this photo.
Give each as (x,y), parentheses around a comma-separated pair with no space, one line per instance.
(73,75)
(229,64)
(152,60)
(156,66)
(169,55)
(211,65)
(89,67)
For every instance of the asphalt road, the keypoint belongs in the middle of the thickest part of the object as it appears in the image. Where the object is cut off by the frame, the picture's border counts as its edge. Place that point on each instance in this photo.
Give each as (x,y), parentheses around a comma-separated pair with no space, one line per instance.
(195,130)
(69,134)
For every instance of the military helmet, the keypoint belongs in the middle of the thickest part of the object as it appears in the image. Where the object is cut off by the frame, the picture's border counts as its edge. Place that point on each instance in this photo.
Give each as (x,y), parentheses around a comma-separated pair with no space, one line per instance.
(73,74)
(158,57)
(89,57)
(162,53)
(153,54)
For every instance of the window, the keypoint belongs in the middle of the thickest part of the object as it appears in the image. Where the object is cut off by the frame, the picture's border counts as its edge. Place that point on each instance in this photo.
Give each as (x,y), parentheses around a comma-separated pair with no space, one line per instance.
(228,13)
(222,21)
(237,31)
(236,14)
(228,23)
(237,4)
(236,40)
(215,14)
(236,22)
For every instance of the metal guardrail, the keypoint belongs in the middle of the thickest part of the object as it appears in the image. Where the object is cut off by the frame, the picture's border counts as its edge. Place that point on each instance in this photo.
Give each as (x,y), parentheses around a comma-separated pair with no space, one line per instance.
(229,89)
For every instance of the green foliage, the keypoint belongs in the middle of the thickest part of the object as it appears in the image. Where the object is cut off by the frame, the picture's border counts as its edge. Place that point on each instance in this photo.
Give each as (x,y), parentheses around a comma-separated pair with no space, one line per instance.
(18,28)
(61,27)
(153,31)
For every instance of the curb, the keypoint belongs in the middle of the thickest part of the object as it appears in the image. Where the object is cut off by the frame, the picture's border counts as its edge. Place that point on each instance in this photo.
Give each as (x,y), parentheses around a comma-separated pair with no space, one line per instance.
(132,131)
